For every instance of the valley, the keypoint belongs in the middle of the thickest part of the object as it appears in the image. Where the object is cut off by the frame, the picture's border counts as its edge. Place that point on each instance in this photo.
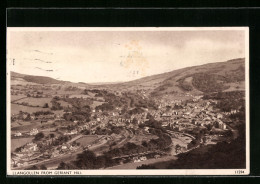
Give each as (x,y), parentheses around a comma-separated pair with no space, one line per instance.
(137,124)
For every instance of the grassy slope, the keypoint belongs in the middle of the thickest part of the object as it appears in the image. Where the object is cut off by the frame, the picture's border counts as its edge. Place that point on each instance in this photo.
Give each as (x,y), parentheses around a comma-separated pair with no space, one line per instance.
(167,82)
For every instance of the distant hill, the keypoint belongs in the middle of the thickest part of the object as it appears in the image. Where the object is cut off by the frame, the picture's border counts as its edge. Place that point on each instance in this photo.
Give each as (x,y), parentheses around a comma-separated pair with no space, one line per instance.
(213,77)
(36,79)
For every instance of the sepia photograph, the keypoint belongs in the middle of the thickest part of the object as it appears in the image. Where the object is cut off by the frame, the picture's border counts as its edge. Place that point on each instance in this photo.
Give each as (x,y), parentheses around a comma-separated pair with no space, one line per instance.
(127,101)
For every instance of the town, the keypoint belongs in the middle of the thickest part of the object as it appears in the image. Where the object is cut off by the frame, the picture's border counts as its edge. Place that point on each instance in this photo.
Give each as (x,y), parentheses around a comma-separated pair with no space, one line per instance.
(51,124)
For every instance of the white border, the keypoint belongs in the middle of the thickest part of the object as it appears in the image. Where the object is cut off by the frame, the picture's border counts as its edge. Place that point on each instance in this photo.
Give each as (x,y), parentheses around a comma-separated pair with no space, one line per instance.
(130,171)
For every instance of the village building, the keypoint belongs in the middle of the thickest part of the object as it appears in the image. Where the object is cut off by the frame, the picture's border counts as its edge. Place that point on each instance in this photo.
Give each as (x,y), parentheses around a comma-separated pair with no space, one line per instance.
(34,131)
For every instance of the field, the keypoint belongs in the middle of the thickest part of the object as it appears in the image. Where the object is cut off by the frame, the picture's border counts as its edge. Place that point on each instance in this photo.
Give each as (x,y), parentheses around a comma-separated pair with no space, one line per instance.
(236,86)
(64,104)
(96,103)
(35,101)
(16,143)
(86,140)
(138,139)
(79,96)
(17,97)
(25,126)
(15,108)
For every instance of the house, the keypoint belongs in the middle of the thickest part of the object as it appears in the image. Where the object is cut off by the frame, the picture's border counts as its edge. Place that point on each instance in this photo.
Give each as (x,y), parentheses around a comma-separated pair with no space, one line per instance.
(72,132)
(146,129)
(157,156)
(64,147)
(143,158)
(233,111)
(136,159)
(55,153)
(222,125)
(219,116)
(30,147)
(34,131)
(165,123)
(17,134)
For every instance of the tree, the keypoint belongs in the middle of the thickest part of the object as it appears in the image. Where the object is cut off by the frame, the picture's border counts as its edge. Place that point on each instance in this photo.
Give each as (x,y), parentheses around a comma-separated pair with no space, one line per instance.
(46,105)
(135,121)
(39,136)
(144,143)
(65,166)
(144,166)
(177,148)
(28,117)
(52,136)
(33,168)
(85,160)
(43,167)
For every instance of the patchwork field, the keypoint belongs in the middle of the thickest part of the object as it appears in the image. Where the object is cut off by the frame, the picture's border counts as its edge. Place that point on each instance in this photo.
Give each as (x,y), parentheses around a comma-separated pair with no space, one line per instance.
(86,140)
(26,126)
(96,103)
(79,96)
(35,101)
(64,104)
(16,97)
(138,139)
(16,143)
(15,108)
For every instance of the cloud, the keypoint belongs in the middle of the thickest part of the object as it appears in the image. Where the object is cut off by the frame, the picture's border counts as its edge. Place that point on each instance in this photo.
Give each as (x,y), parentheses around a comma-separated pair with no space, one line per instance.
(103,56)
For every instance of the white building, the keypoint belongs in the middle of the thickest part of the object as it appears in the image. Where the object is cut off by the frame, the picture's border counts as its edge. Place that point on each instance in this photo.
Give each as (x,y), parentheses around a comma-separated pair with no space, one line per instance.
(17,134)
(34,131)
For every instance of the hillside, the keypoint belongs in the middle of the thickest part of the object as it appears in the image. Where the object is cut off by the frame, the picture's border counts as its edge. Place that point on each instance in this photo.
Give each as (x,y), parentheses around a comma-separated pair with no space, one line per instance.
(35,79)
(213,77)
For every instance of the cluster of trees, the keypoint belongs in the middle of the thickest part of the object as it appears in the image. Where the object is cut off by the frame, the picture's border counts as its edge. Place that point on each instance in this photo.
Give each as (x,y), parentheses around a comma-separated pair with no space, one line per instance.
(38,113)
(162,142)
(228,101)
(60,140)
(144,166)
(236,75)
(221,156)
(185,85)
(22,116)
(105,107)
(88,160)
(77,116)
(79,112)
(42,167)
(224,95)
(209,82)
(71,88)
(55,105)
(136,110)
(126,149)
(108,130)
(38,136)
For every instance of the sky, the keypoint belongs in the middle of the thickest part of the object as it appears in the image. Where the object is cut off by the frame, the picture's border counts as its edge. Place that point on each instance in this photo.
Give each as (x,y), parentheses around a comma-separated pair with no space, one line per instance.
(116,56)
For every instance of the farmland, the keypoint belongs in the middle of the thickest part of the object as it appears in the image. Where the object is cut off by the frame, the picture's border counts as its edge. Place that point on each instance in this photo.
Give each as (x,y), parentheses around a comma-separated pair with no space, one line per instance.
(96,103)
(138,139)
(86,140)
(17,97)
(15,108)
(35,101)
(15,143)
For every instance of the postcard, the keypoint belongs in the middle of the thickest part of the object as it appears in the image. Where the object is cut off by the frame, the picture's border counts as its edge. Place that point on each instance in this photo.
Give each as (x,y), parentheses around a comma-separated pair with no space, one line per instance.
(127,101)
